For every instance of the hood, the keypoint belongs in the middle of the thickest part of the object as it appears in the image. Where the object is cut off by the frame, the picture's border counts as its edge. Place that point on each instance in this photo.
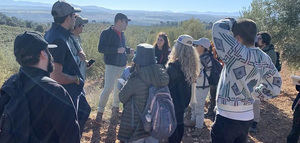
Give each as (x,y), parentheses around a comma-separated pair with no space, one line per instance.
(154,75)
(268,48)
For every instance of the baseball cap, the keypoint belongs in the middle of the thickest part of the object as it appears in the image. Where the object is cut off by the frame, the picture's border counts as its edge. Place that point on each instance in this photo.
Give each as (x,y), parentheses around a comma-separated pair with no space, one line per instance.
(121,16)
(202,42)
(29,44)
(80,20)
(185,40)
(61,8)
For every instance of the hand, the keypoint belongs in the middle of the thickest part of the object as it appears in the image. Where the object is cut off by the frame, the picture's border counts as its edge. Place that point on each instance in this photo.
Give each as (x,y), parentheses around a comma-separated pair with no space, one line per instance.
(82,56)
(121,50)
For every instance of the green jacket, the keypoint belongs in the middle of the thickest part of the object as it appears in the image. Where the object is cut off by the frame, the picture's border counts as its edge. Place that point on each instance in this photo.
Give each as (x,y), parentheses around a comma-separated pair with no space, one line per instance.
(270,51)
(136,91)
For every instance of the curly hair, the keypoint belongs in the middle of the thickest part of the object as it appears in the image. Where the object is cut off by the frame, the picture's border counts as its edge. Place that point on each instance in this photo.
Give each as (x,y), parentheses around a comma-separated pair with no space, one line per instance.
(189,60)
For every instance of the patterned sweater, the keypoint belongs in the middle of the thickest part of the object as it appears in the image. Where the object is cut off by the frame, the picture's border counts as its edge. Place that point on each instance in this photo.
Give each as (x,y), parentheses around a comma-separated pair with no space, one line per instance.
(247,72)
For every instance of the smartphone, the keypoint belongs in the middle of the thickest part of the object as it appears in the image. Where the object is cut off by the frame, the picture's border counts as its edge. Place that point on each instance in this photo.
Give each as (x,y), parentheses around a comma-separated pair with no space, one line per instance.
(90,62)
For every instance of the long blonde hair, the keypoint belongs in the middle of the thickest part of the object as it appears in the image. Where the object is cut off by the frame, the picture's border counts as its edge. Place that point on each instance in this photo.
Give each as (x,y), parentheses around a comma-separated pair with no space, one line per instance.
(189,60)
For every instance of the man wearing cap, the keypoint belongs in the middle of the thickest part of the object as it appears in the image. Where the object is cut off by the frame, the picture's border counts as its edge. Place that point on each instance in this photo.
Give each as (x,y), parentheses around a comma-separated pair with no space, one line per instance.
(52,113)
(77,49)
(66,69)
(112,45)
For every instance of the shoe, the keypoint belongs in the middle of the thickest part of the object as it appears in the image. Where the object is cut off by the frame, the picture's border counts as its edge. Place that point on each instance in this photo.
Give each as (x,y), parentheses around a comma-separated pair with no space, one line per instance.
(98,119)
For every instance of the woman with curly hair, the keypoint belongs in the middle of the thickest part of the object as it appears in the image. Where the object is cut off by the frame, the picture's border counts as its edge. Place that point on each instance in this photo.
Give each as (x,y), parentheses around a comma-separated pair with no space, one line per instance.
(183,69)
(162,48)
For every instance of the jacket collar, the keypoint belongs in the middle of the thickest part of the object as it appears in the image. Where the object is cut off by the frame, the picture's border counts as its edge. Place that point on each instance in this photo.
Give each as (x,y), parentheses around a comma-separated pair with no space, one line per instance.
(61,29)
(33,72)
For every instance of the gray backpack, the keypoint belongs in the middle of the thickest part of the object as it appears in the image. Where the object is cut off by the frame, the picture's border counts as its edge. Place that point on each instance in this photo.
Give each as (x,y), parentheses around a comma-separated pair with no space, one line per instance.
(159,115)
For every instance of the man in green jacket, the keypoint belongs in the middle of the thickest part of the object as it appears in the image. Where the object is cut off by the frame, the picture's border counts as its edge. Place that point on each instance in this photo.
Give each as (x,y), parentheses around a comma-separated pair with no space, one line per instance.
(264,43)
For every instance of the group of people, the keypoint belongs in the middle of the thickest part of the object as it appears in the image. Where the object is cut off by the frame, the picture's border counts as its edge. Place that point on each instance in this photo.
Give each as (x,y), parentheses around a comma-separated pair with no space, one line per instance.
(52,76)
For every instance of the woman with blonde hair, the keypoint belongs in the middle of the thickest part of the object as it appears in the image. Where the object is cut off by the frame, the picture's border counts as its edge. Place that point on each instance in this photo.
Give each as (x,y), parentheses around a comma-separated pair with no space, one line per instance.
(183,69)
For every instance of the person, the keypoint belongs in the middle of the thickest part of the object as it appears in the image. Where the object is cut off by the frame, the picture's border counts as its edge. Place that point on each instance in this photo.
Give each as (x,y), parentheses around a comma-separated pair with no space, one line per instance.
(135,93)
(77,49)
(202,87)
(52,113)
(183,69)
(112,45)
(248,72)
(162,48)
(264,43)
(66,69)
(293,137)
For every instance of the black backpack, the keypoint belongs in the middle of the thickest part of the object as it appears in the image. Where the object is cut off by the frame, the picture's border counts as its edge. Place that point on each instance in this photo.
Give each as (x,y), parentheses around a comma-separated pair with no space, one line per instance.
(15,126)
(278,62)
(216,69)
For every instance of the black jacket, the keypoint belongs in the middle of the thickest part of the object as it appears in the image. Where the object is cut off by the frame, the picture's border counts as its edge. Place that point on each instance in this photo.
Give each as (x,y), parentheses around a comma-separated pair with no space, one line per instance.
(161,57)
(108,45)
(180,90)
(52,112)
(62,38)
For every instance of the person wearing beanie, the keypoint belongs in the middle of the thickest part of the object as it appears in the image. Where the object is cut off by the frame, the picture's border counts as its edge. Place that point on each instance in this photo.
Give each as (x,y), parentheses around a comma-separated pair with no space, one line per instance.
(66,61)
(135,92)
(183,69)
(39,109)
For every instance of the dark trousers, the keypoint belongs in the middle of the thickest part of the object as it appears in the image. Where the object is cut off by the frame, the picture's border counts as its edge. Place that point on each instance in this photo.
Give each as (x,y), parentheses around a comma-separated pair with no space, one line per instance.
(176,137)
(225,130)
(213,92)
(295,132)
(82,107)
(84,111)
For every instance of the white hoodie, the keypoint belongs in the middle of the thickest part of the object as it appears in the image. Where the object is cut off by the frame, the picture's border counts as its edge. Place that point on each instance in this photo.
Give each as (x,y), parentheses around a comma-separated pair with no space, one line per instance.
(247,72)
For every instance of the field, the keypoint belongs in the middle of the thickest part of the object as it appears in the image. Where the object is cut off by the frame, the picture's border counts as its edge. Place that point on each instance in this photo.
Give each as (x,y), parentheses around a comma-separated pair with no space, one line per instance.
(276,114)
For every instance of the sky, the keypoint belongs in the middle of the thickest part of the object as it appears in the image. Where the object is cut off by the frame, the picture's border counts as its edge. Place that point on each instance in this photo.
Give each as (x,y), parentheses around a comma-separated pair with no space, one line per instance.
(163,5)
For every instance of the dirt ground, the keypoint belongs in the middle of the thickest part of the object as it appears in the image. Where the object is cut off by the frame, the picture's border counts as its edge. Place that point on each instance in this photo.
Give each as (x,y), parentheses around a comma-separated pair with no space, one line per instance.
(275,124)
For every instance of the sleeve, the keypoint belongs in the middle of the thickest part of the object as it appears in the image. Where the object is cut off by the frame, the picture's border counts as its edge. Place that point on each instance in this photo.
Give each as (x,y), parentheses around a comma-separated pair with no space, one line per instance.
(63,116)
(273,57)
(104,46)
(60,52)
(271,83)
(128,90)
(189,90)
(225,43)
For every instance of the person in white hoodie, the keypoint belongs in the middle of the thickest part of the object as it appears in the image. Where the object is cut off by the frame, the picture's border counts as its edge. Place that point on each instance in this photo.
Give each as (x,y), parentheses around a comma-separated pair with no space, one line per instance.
(247,72)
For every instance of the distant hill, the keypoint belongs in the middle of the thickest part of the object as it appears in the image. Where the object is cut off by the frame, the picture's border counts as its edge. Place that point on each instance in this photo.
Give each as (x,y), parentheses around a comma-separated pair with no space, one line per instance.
(40,12)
